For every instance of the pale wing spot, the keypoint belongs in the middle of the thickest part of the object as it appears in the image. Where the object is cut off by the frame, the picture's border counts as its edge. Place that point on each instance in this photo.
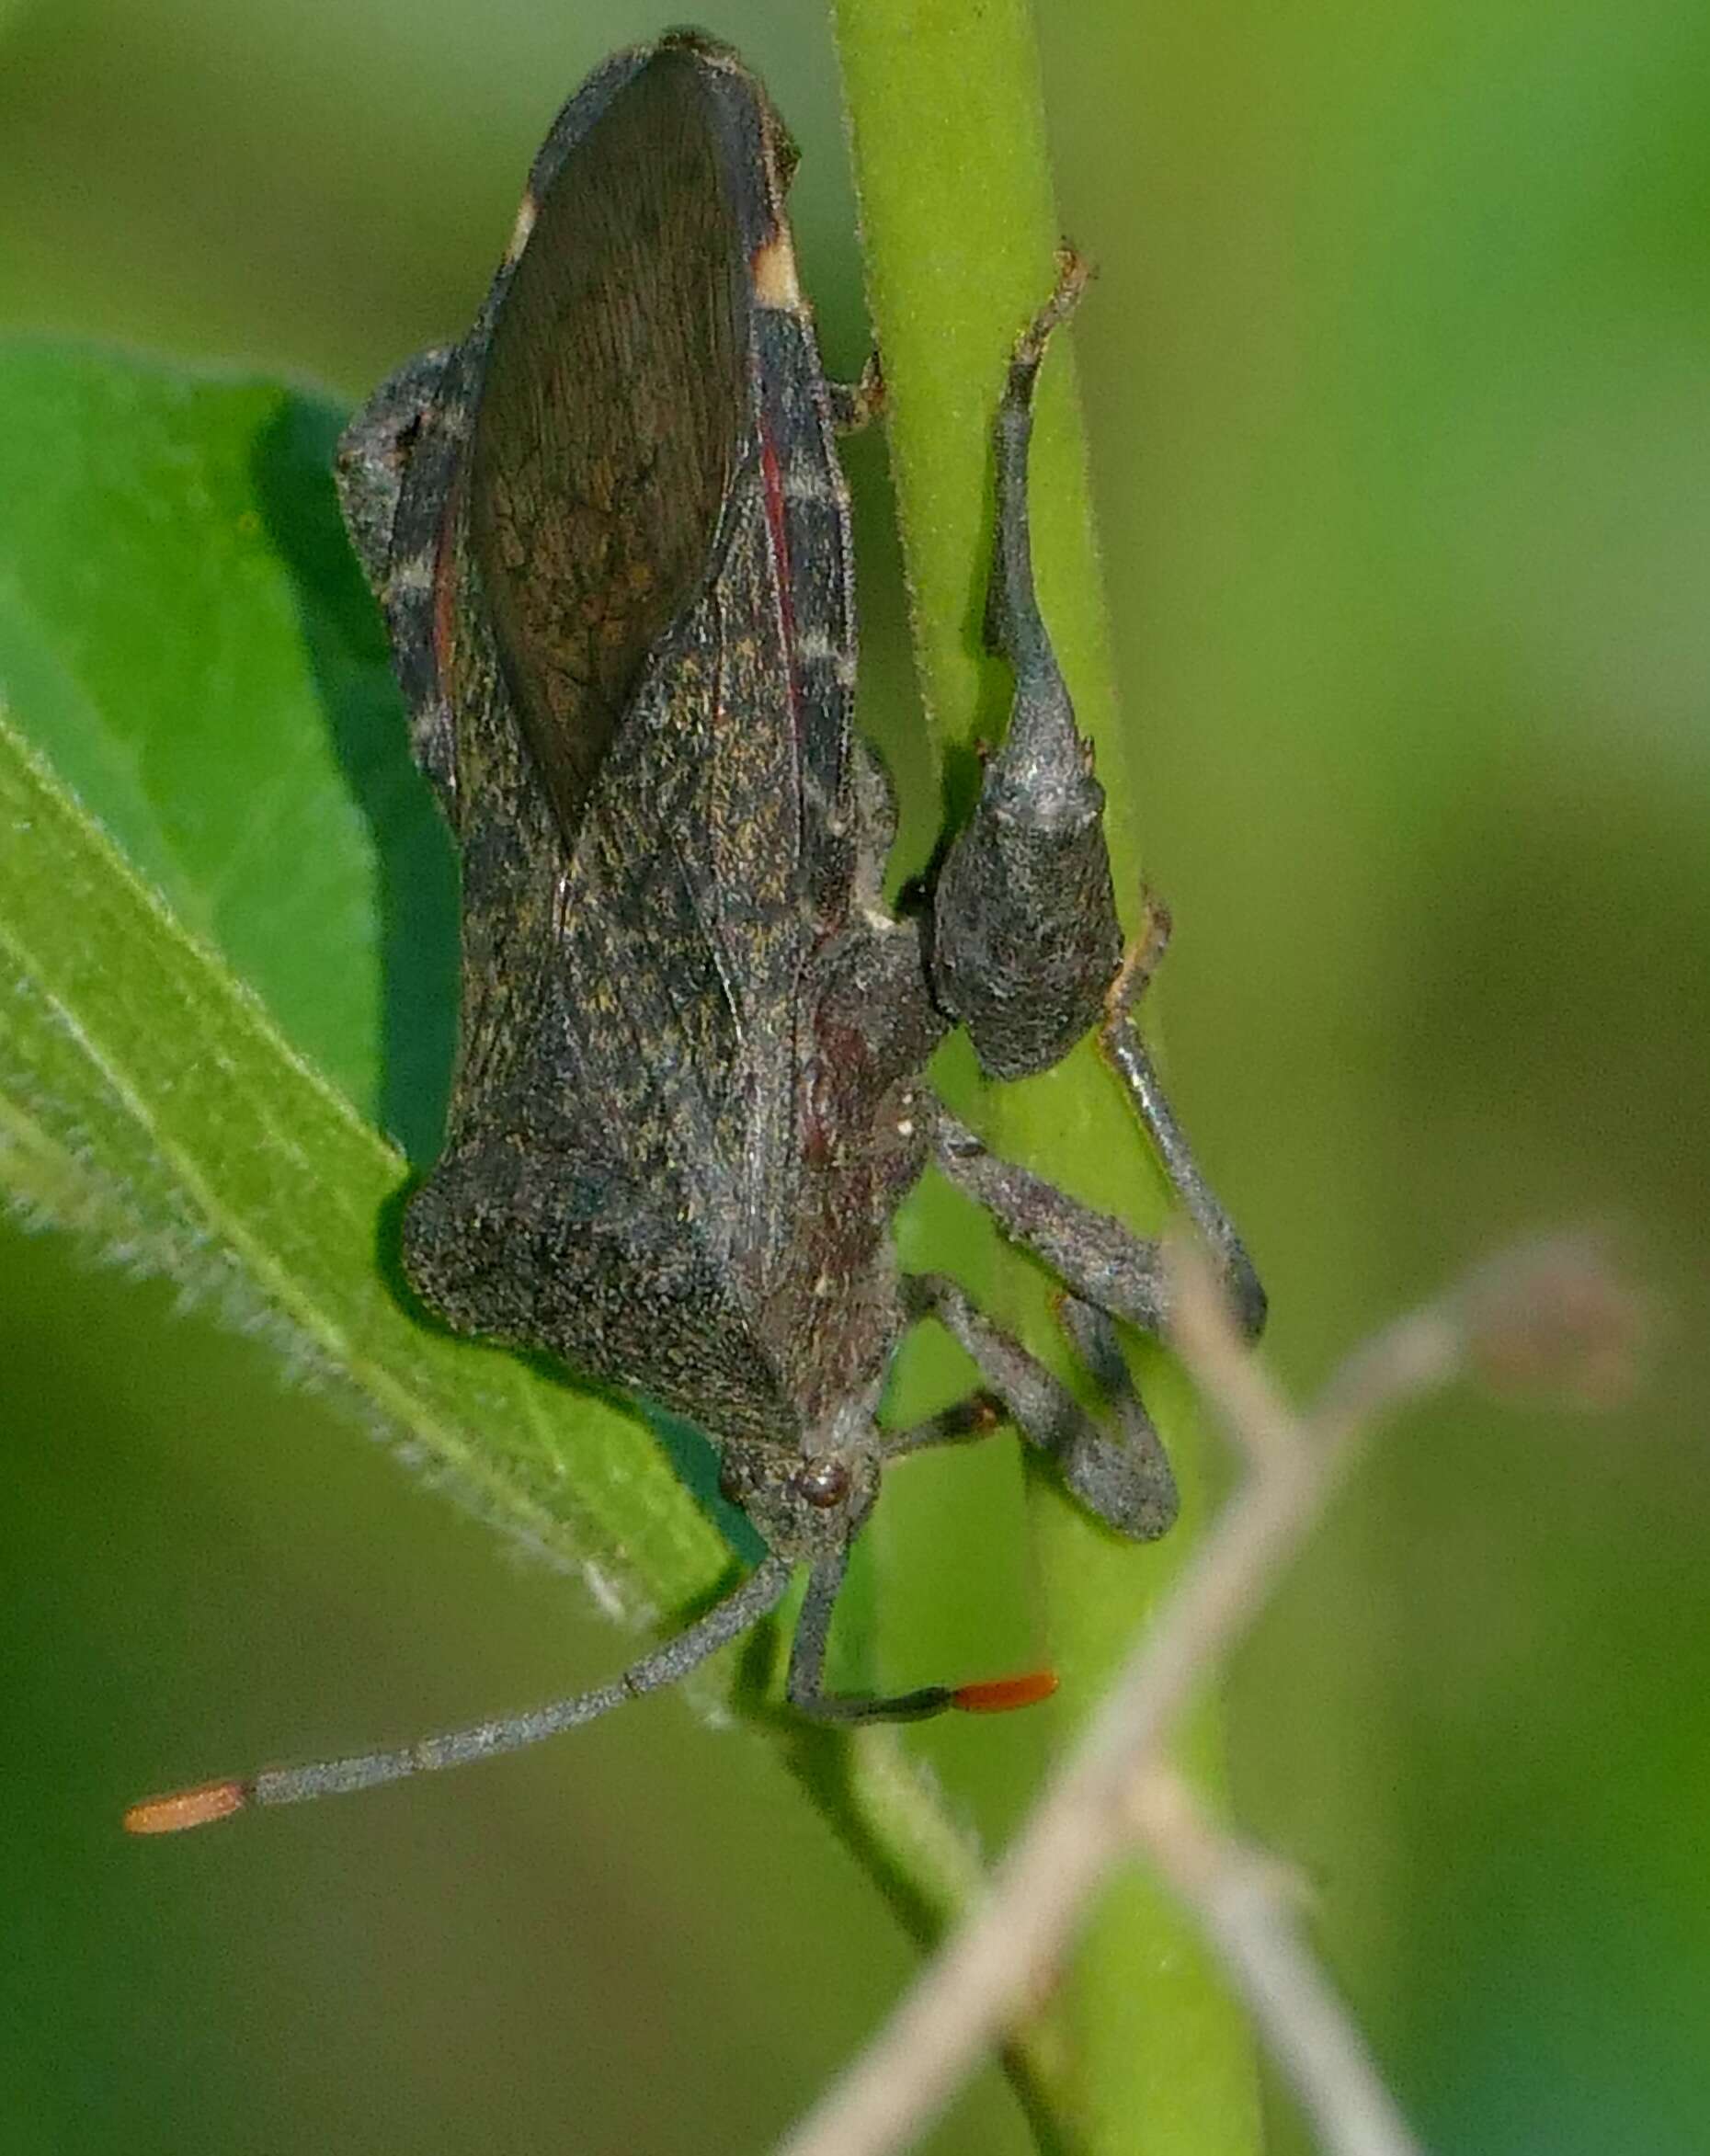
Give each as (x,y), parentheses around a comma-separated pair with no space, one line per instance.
(772,268)
(813,647)
(412,576)
(528,209)
(808,483)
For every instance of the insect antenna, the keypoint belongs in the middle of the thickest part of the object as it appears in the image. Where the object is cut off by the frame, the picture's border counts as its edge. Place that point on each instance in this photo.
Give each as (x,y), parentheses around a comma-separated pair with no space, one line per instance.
(208,1801)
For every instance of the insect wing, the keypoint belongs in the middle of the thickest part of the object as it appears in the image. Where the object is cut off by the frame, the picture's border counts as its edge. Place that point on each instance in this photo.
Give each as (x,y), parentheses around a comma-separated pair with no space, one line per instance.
(652,512)
(614,410)
(630,537)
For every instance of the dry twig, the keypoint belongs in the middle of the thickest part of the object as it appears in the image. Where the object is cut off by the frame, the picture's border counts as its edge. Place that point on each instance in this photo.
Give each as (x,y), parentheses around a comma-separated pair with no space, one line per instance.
(1550,1310)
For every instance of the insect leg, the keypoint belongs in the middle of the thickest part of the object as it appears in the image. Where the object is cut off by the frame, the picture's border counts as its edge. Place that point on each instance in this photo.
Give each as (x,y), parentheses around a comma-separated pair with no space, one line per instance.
(855,405)
(965,1421)
(373,454)
(806,1684)
(1024,927)
(1097,1257)
(1100,1258)
(391,469)
(454,1747)
(1120,1473)
(1123,1050)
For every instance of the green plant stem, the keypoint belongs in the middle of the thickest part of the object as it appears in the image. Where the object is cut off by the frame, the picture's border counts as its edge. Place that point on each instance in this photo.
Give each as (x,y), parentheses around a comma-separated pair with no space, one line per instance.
(960,229)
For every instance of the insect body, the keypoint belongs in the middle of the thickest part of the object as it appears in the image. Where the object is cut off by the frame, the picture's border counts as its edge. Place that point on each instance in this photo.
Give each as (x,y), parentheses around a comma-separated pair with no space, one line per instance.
(611,535)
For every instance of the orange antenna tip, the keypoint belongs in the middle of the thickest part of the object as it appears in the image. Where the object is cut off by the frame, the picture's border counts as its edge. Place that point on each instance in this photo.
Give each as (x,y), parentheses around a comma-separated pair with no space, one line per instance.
(182,1808)
(1000,1694)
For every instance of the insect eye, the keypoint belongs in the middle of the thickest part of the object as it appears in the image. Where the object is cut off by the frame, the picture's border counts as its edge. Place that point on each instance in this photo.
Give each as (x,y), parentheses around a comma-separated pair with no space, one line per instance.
(733,1482)
(824,1483)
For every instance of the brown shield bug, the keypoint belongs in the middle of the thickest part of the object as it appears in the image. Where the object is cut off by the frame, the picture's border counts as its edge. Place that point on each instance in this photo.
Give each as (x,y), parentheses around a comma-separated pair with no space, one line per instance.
(610,536)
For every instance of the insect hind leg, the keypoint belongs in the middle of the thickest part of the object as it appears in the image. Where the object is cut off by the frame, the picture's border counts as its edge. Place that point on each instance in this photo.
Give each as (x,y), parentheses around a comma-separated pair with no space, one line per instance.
(1117,1466)
(1024,928)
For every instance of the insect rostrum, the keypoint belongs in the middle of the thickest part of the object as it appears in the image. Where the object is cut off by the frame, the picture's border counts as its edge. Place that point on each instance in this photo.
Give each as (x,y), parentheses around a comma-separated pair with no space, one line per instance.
(610,536)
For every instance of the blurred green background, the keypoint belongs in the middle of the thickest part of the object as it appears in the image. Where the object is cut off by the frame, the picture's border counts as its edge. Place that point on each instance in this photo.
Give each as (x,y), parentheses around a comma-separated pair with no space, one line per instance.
(1397,378)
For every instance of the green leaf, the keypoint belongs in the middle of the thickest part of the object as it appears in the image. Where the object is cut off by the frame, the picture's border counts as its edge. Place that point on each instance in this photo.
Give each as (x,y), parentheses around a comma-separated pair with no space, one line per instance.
(185,635)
